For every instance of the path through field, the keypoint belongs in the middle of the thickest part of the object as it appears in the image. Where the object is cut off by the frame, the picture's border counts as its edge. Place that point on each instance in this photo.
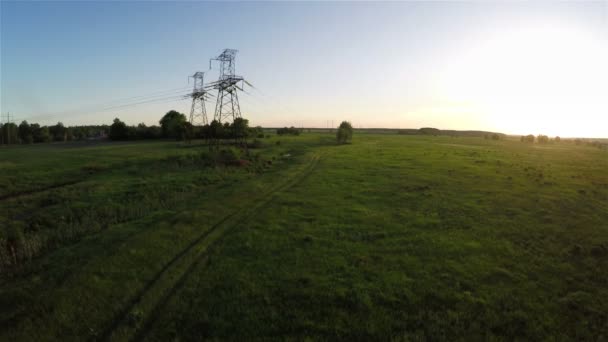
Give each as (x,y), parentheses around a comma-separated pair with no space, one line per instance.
(150,300)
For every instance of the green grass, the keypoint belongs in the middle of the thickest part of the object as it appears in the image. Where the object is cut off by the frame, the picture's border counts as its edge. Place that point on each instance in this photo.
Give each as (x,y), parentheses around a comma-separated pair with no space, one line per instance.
(390,237)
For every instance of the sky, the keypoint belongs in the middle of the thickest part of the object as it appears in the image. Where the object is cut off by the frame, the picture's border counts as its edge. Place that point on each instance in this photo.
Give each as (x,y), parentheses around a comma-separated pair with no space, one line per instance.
(511,67)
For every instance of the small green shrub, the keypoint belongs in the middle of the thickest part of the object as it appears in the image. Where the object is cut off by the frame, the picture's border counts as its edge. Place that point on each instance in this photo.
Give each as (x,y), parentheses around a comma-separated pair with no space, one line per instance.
(229,155)
(256,143)
(344,133)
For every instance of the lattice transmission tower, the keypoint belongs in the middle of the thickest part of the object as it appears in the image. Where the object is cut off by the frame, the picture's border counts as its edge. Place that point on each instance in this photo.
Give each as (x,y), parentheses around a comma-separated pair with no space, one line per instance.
(198,111)
(227,104)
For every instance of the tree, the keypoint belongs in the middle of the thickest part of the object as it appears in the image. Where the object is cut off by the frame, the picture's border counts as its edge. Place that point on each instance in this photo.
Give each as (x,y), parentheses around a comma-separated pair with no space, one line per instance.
(558,139)
(240,129)
(41,134)
(119,130)
(529,138)
(257,132)
(10,133)
(542,139)
(215,133)
(187,132)
(227,131)
(345,132)
(172,124)
(291,130)
(25,133)
(58,132)
(429,131)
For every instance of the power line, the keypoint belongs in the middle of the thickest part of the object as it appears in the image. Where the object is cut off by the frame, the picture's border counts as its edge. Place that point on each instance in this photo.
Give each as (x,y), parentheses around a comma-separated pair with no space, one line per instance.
(176,97)
(151,96)
(108,106)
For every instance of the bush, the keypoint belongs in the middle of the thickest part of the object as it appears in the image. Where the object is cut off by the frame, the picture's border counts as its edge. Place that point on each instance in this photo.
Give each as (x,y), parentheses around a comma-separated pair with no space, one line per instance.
(429,131)
(257,132)
(256,143)
(15,243)
(528,138)
(344,133)
(542,139)
(291,131)
(229,155)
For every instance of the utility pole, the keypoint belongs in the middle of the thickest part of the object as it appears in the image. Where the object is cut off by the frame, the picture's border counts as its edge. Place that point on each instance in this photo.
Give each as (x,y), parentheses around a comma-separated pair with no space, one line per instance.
(227,105)
(8,127)
(198,111)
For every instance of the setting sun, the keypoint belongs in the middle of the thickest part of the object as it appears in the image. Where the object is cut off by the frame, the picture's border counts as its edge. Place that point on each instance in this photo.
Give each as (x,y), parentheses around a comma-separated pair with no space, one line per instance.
(534,80)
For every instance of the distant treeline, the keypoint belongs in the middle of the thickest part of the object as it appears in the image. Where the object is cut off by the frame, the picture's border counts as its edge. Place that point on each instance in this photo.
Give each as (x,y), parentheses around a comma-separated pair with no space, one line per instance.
(288,130)
(543,139)
(436,132)
(25,133)
(173,125)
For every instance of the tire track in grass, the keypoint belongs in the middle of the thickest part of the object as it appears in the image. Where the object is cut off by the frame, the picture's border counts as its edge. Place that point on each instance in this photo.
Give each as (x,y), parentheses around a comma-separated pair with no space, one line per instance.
(14,195)
(154,295)
(142,333)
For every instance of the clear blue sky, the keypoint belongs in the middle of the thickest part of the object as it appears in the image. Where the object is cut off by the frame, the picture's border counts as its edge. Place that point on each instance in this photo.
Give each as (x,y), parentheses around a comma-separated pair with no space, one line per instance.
(376,64)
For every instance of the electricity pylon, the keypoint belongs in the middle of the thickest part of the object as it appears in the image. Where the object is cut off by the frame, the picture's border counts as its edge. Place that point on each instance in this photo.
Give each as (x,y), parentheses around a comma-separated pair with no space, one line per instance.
(198,111)
(227,104)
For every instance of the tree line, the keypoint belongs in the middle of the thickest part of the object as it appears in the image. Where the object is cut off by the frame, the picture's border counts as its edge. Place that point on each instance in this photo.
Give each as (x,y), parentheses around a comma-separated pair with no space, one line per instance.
(544,139)
(541,139)
(173,125)
(25,133)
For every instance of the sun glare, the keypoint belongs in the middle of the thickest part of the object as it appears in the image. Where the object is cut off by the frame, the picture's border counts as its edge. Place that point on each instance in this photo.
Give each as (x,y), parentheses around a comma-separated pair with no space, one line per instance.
(536,80)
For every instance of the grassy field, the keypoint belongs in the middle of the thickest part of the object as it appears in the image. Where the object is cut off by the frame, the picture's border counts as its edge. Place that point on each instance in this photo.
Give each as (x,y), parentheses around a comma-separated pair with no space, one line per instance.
(390,237)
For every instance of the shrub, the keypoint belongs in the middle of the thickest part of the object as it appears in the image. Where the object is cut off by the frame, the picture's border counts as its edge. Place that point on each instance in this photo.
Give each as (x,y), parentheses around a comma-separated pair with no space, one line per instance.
(257,132)
(291,131)
(344,133)
(256,143)
(429,131)
(229,155)
(15,243)
(542,139)
(240,129)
